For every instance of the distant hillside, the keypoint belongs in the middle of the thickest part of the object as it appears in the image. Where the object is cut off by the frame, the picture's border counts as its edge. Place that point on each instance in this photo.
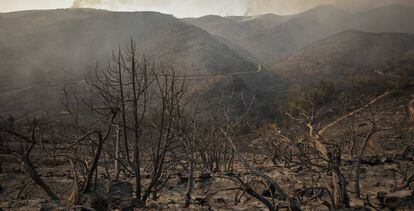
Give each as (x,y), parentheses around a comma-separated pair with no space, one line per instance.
(237,27)
(242,31)
(393,18)
(345,53)
(65,44)
(221,26)
(295,33)
(270,37)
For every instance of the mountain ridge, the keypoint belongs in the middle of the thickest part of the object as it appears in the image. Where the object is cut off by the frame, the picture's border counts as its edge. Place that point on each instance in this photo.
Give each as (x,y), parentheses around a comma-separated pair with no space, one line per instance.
(162,37)
(299,30)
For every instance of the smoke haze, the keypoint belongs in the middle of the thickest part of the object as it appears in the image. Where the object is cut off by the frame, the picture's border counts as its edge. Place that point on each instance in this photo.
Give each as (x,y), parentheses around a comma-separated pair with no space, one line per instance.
(284,7)
(188,8)
(191,8)
(196,8)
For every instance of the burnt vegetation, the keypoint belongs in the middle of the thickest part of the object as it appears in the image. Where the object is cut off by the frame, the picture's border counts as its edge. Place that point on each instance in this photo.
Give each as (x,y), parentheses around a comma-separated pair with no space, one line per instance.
(139,137)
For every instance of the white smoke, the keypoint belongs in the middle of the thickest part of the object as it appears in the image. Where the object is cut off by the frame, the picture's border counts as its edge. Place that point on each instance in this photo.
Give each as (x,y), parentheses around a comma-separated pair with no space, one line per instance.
(85,3)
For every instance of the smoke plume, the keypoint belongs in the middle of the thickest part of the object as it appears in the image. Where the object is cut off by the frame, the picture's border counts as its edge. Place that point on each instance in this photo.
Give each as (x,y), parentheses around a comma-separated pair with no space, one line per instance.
(85,3)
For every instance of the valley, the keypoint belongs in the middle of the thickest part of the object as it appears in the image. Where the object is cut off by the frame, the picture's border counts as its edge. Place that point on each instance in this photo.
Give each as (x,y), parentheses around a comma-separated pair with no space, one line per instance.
(140,110)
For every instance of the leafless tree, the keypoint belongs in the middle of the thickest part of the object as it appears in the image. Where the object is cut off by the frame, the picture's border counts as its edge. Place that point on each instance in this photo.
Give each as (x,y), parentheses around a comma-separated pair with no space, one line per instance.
(330,153)
(148,97)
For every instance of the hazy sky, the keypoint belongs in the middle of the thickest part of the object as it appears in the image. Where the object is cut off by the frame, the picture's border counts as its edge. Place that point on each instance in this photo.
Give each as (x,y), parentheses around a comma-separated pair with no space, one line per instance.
(195,8)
